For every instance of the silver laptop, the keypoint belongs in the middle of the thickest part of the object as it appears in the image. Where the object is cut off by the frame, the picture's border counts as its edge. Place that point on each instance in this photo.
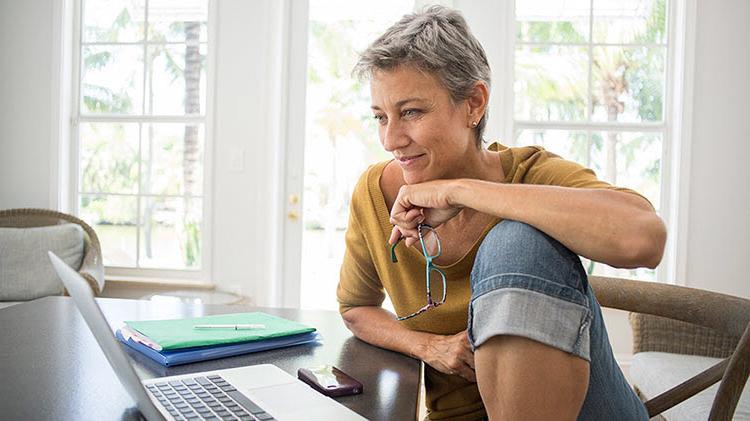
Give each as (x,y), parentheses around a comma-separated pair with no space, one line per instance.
(258,392)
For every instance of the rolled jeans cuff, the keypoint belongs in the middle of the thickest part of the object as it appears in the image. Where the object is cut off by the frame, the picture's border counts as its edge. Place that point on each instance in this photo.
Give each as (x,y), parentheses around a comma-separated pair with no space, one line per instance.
(535,315)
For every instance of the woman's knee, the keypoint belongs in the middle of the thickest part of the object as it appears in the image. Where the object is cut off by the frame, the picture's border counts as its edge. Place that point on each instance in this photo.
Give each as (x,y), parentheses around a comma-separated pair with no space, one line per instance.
(513,247)
(527,284)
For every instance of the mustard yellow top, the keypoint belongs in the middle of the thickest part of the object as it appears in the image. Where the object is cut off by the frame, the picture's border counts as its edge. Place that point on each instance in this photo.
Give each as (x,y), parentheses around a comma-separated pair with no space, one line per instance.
(367,272)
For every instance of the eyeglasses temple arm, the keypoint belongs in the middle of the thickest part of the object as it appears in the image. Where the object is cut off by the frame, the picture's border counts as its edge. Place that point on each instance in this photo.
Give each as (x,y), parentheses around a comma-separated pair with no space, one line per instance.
(393,250)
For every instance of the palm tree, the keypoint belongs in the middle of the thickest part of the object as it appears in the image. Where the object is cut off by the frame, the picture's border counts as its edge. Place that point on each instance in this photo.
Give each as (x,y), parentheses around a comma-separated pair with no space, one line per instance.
(611,67)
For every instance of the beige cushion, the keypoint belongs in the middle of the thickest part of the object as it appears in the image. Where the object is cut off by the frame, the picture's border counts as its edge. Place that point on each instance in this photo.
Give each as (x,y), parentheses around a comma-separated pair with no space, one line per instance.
(656,372)
(25,270)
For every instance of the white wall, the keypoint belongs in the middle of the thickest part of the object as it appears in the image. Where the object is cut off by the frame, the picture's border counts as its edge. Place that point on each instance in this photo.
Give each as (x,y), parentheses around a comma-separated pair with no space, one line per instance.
(718,251)
(248,119)
(246,143)
(26,43)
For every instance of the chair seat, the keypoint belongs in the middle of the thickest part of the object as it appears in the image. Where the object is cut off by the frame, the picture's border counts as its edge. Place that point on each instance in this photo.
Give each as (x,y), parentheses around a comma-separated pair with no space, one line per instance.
(656,372)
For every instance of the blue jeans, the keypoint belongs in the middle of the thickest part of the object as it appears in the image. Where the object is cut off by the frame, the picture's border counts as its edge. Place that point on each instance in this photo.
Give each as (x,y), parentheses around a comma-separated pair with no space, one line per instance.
(527,284)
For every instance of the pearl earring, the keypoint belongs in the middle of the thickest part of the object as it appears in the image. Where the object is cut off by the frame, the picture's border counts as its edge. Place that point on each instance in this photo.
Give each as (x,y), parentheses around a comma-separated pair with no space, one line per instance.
(474,124)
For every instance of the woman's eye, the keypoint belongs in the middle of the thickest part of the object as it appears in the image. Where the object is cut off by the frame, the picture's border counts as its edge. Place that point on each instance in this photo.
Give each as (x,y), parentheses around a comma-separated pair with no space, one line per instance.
(380,119)
(409,113)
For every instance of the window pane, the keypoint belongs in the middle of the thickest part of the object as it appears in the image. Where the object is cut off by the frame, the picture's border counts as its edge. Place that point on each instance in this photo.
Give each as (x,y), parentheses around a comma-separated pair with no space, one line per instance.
(113,20)
(570,145)
(171,21)
(114,220)
(550,83)
(109,157)
(630,159)
(598,268)
(171,234)
(628,84)
(630,21)
(176,80)
(552,20)
(172,159)
(112,79)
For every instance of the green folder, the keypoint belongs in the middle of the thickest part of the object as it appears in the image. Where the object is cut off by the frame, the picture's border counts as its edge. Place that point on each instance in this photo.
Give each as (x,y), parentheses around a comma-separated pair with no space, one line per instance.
(180,333)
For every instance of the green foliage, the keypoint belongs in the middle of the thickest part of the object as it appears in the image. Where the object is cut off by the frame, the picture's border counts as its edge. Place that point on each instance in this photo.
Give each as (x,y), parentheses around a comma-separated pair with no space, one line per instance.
(109,161)
(554,95)
(561,31)
(97,60)
(591,267)
(655,24)
(646,82)
(101,99)
(111,33)
(342,118)
(192,244)
(109,210)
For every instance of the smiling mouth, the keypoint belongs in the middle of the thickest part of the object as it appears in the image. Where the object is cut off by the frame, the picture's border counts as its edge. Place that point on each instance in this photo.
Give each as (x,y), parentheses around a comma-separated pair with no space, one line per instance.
(408,159)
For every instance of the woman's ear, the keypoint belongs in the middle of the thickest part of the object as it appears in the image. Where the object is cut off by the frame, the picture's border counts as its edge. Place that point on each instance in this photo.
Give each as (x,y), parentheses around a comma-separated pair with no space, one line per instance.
(477,102)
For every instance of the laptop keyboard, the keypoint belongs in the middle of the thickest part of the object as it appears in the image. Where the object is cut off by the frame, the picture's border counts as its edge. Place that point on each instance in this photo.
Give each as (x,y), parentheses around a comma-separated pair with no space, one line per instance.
(206,398)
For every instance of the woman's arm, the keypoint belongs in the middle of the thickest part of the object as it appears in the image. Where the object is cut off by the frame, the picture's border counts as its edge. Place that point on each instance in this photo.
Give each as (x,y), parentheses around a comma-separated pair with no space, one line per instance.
(608,226)
(617,228)
(450,354)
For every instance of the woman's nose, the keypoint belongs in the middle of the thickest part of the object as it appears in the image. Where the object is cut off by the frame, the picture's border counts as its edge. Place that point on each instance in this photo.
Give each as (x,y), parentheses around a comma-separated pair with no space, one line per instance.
(393,136)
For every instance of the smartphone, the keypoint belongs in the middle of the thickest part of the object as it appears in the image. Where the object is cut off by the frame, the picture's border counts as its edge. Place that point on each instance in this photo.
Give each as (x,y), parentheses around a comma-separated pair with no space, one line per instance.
(330,381)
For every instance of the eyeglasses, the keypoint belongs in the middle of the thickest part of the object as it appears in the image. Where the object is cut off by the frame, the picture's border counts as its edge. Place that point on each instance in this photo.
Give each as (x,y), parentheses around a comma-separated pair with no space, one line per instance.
(422,230)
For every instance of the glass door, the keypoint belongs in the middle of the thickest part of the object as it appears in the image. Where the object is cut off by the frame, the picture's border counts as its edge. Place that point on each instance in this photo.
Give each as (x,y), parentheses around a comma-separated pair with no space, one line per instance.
(341,138)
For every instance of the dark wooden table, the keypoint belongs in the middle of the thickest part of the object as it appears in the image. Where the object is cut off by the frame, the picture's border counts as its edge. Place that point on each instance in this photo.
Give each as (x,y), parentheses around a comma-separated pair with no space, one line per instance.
(52,369)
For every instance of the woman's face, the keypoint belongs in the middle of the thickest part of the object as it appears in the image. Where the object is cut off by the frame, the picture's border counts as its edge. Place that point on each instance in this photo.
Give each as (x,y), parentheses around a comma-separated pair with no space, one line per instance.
(427,134)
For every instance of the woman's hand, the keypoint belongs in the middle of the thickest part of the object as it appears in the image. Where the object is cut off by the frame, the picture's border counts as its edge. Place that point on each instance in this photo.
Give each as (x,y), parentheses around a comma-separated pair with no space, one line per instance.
(451,355)
(428,203)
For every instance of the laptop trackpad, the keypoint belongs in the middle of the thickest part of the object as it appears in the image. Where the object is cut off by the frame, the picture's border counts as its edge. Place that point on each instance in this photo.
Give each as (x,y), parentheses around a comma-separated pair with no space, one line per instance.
(308,404)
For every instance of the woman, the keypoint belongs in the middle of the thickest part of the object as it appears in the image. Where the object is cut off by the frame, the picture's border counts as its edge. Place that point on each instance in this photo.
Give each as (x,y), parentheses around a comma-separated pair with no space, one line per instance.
(519,334)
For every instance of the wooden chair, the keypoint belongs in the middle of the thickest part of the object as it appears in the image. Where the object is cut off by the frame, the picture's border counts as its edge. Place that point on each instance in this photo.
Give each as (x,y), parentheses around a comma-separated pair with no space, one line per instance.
(92,267)
(691,321)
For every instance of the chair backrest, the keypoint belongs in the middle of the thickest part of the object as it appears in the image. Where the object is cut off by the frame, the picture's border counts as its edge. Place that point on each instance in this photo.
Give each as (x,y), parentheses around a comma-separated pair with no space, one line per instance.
(24,275)
(660,334)
(724,313)
(91,267)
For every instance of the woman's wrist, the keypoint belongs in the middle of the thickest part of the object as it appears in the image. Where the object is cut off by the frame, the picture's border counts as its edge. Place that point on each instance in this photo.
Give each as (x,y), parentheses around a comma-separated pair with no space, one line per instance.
(457,193)
(421,347)
(482,196)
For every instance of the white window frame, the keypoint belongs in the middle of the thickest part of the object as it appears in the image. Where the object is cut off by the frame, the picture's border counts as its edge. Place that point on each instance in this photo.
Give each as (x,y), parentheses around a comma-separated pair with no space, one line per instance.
(202,275)
(676,127)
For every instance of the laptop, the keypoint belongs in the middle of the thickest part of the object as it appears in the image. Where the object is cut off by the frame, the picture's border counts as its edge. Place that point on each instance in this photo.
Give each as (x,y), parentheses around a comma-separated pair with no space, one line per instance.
(259,392)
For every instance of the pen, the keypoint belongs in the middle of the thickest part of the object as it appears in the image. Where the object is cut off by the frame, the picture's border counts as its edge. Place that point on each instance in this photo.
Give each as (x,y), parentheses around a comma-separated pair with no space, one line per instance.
(234,327)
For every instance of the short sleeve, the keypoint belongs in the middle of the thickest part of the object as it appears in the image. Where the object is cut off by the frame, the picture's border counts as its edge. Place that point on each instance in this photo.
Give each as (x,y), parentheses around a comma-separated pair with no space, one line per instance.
(550,169)
(359,283)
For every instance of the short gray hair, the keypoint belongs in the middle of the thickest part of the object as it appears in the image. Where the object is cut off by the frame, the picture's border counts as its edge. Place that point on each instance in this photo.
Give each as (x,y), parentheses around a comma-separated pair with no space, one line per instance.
(437,41)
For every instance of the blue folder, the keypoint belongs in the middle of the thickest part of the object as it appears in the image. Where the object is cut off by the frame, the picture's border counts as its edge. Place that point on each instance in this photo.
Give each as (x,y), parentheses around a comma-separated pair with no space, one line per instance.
(191,355)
